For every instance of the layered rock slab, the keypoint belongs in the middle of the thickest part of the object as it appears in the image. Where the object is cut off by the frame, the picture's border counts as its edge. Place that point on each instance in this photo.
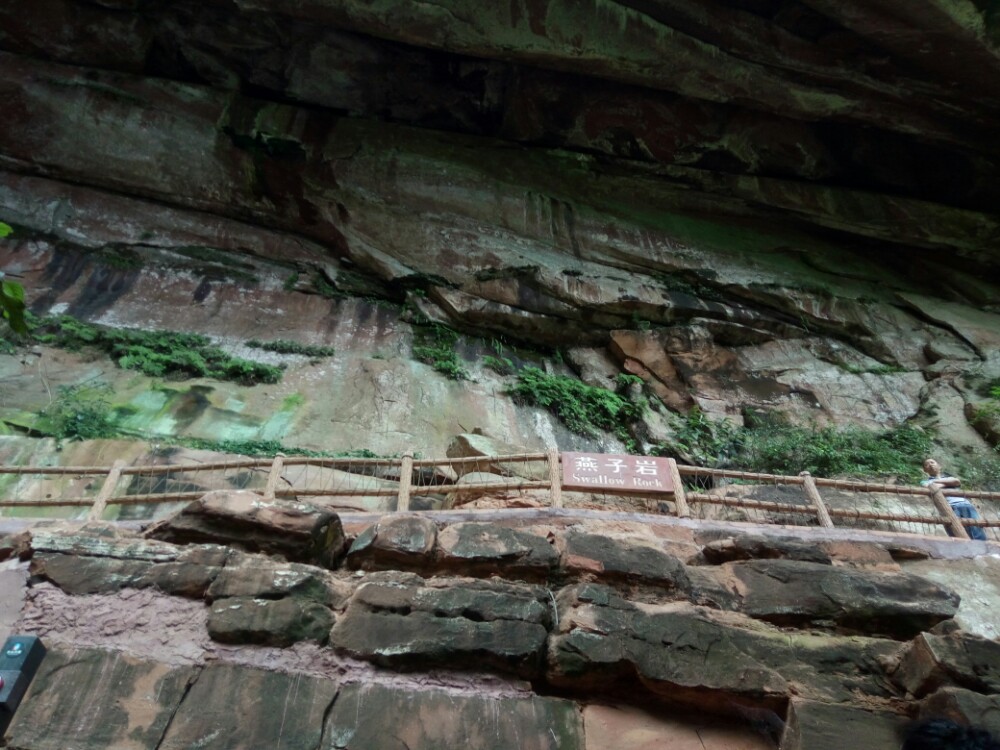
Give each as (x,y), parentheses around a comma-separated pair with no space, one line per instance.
(489,549)
(374,717)
(296,531)
(965,707)
(799,593)
(690,655)
(237,708)
(90,699)
(281,622)
(396,542)
(264,577)
(960,659)
(190,574)
(624,560)
(822,726)
(403,621)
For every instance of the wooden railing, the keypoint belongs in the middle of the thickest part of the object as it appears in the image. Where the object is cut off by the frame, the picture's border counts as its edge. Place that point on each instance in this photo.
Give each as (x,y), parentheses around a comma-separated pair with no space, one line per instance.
(407,477)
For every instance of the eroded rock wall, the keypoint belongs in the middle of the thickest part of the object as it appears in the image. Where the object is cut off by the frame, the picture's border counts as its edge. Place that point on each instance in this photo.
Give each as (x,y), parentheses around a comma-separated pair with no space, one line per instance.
(772,205)
(535,631)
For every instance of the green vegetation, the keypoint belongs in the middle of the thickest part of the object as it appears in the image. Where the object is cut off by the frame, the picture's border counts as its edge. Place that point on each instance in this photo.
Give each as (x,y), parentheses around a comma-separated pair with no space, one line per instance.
(83,412)
(774,447)
(155,353)
(583,408)
(11,297)
(283,346)
(500,365)
(512,272)
(268,449)
(623,380)
(119,257)
(348,284)
(324,288)
(80,412)
(873,370)
(980,471)
(220,263)
(293,401)
(640,324)
(831,451)
(703,441)
(435,345)
(676,282)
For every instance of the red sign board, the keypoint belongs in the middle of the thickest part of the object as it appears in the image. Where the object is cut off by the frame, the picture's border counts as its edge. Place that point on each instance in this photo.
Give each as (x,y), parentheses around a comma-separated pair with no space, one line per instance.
(611,473)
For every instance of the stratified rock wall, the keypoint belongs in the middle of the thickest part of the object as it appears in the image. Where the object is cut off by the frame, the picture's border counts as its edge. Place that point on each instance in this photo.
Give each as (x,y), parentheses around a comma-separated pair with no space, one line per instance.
(766,205)
(556,631)
(756,208)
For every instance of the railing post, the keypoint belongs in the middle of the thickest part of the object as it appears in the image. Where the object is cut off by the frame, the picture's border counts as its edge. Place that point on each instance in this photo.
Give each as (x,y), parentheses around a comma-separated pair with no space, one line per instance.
(555,479)
(944,508)
(816,500)
(680,497)
(274,475)
(405,478)
(107,490)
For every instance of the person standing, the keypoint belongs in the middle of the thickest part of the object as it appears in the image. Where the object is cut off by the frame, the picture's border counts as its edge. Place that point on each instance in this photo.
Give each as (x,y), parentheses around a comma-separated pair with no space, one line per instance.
(936,479)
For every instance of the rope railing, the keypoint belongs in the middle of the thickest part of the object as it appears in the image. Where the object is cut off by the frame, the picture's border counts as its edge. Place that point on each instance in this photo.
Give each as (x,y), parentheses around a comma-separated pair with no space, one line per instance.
(458,481)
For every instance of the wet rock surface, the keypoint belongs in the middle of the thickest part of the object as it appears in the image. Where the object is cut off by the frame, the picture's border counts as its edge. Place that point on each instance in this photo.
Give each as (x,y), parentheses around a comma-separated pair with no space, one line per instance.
(396,542)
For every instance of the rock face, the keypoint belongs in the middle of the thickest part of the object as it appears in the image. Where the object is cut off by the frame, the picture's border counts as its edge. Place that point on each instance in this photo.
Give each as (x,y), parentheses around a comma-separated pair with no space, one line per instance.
(365,716)
(212,645)
(283,710)
(687,655)
(771,206)
(69,705)
(789,592)
(757,209)
(295,530)
(401,623)
(825,727)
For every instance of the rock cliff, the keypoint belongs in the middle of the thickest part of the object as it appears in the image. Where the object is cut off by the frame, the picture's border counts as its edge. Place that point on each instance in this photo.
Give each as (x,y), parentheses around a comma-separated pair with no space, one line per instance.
(753,207)
(365,228)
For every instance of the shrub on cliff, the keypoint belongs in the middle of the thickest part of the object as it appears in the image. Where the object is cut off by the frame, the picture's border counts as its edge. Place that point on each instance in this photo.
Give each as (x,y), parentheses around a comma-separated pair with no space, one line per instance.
(836,451)
(584,409)
(11,297)
(770,445)
(435,345)
(80,412)
(155,353)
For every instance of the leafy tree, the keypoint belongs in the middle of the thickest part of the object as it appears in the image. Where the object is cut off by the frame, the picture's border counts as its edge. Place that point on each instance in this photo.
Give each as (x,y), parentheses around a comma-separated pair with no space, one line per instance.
(11,296)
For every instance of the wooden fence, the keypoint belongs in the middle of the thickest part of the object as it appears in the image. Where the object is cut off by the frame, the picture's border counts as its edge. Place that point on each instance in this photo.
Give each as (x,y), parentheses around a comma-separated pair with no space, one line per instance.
(407,477)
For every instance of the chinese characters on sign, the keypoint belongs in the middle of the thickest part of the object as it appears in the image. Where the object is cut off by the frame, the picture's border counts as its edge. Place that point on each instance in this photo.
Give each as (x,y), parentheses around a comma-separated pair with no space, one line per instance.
(590,471)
